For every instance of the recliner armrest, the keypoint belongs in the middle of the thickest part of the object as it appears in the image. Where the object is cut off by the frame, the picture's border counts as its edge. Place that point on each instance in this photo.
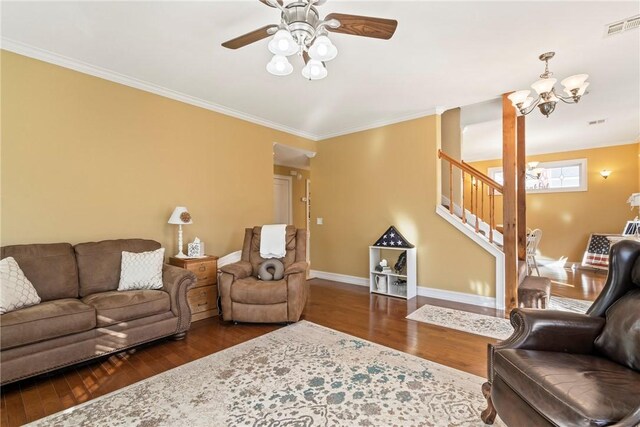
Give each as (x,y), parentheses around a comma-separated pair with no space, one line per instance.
(296,267)
(176,282)
(239,270)
(551,330)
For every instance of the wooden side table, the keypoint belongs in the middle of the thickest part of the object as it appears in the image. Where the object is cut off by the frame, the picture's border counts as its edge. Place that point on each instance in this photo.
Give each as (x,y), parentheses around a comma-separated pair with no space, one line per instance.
(203,297)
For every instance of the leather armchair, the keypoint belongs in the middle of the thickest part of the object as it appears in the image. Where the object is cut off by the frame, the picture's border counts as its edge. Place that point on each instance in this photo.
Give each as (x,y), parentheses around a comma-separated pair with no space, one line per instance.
(555,371)
(245,298)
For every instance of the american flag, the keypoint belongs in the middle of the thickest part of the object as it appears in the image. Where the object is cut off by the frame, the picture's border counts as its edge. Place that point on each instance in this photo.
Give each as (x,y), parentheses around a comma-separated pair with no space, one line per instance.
(597,254)
(392,239)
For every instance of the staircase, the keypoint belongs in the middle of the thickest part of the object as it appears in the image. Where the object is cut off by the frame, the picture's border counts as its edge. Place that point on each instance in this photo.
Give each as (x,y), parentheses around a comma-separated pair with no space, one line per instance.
(475,215)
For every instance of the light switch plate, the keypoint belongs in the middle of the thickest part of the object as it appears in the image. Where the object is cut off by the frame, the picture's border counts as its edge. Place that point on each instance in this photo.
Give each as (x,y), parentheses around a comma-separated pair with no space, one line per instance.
(319,221)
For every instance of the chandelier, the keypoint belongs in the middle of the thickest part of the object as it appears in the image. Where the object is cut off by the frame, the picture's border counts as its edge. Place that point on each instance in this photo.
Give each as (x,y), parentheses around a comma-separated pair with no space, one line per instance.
(574,88)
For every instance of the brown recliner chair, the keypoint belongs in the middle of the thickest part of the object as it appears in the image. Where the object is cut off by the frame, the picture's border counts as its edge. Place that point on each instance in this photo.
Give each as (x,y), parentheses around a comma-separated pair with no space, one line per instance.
(568,369)
(245,298)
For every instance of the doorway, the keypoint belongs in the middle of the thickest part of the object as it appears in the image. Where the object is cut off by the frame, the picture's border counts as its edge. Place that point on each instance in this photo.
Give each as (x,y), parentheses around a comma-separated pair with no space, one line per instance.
(282,199)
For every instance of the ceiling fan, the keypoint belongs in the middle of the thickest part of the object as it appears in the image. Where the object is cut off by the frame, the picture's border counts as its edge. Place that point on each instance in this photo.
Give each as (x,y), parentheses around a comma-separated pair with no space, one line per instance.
(301,31)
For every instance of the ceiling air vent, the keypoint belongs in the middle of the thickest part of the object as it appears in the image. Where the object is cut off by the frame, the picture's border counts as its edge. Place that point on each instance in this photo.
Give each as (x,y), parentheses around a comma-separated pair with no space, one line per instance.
(596,122)
(622,26)
(632,23)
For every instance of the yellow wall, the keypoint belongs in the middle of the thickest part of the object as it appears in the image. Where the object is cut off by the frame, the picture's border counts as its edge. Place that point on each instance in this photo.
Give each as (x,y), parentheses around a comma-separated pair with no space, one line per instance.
(87,159)
(366,181)
(298,192)
(567,219)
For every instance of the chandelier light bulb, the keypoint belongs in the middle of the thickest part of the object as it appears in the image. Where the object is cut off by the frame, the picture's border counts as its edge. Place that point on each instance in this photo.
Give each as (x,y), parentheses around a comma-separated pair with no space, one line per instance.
(543,85)
(279,66)
(574,82)
(518,97)
(322,49)
(314,70)
(282,43)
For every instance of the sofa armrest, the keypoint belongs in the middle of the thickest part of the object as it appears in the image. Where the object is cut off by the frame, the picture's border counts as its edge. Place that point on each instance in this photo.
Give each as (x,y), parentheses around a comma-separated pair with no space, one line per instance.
(549,330)
(239,270)
(176,282)
(296,267)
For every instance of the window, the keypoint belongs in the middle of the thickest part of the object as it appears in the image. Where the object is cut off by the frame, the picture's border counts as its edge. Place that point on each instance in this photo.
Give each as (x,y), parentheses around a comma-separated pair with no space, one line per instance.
(552,177)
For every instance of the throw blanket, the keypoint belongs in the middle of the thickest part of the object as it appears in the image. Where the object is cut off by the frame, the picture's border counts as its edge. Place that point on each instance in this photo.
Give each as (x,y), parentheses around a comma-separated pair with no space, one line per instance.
(272,241)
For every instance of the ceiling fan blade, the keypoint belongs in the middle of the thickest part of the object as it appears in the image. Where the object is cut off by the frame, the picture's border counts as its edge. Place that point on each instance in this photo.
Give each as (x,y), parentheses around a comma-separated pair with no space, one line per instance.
(249,38)
(365,26)
(267,3)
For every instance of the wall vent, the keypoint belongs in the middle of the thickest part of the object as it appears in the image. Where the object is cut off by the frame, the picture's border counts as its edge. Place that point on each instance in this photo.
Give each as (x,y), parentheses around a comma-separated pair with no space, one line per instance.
(596,122)
(622,26)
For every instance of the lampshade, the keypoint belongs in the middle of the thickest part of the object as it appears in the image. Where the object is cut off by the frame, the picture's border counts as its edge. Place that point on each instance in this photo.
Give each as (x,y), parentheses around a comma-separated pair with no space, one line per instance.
(322,49)
(314,70)
(574,82)
(279,66)
(527,102)
(282,43)
(177,216)
(519,97)
(543,85)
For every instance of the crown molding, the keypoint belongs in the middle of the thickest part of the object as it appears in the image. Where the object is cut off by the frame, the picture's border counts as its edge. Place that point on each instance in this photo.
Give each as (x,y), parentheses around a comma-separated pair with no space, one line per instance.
(113,76)
(382,123)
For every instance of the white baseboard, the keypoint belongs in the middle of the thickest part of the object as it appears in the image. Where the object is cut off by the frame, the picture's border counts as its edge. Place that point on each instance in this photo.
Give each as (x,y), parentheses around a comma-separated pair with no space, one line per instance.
(457,297)
(344,278)
(422,290)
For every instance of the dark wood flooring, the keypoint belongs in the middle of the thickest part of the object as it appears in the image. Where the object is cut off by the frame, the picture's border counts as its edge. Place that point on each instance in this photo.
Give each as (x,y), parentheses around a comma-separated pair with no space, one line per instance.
(346,308)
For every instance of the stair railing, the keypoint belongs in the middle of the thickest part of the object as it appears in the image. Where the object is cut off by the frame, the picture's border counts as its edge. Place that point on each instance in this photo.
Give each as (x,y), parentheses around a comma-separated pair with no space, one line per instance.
(477,182)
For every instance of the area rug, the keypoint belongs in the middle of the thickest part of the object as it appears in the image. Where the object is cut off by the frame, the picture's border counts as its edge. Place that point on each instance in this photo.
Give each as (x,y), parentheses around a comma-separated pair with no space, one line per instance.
(488,326)
(302,375)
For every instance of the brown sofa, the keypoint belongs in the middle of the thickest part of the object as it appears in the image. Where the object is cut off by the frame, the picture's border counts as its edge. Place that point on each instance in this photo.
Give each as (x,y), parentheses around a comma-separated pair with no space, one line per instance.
(82,315)
(569,369)
(245,298)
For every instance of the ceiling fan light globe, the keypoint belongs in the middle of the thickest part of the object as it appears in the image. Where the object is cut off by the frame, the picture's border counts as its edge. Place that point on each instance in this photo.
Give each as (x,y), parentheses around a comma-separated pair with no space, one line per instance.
(543,85)
(279,66)
(322,49)
(282,43)
(314,70)
(574,82)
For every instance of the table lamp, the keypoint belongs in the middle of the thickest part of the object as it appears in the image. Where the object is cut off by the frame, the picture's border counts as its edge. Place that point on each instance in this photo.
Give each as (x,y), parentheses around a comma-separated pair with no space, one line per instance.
(179,217)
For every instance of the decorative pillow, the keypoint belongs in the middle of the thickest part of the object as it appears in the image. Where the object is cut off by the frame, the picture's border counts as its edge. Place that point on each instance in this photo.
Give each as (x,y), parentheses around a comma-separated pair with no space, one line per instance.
(276,265)
(16,291)
(620,338)
(141,270)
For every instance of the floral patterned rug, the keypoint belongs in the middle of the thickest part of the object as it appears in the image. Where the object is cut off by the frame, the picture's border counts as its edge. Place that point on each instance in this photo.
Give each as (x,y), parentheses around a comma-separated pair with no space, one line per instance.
(302,375)
(488,326)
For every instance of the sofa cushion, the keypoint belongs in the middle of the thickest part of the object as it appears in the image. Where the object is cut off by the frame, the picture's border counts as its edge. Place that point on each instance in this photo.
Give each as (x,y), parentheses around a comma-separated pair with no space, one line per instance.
(51,268)
(44,321)
(570,389)
(620,338)
(254,291)
(99,262)
(119,306)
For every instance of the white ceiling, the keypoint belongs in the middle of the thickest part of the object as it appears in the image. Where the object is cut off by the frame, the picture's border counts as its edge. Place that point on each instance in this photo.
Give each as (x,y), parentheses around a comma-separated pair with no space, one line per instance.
(444,54)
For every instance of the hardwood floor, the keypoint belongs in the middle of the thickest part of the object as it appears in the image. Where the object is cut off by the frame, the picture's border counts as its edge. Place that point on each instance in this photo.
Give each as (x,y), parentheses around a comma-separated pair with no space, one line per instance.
(347,308)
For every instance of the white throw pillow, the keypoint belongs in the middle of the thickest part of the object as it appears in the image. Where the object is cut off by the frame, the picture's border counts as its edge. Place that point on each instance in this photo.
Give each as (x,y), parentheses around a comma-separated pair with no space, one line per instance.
(141,270)
(16,291)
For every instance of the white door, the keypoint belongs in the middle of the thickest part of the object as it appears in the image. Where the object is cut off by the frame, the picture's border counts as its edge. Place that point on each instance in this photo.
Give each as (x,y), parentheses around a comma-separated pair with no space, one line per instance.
(282,204)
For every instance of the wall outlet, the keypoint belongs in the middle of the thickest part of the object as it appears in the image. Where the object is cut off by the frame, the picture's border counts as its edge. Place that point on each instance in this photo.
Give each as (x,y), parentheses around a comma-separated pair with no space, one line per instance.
(319,221)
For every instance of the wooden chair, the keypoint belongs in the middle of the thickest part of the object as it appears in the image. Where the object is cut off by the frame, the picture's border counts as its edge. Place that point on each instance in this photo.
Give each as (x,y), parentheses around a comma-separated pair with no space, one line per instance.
(533,240)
